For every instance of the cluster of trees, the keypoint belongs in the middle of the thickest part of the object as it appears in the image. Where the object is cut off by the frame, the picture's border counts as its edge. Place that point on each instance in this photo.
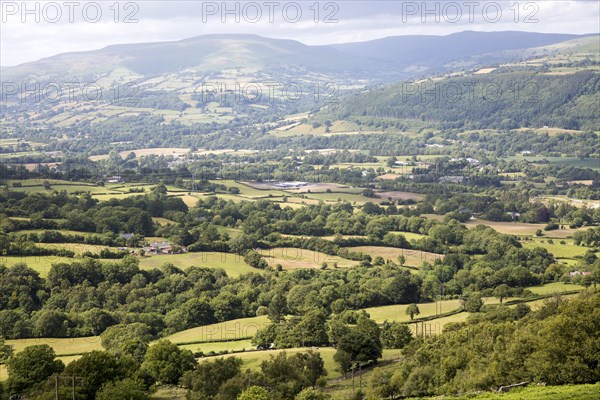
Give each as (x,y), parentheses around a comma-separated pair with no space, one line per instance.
(83,213)
(86,297)
(589,237)
(117,374)
(510,204)
(500,346)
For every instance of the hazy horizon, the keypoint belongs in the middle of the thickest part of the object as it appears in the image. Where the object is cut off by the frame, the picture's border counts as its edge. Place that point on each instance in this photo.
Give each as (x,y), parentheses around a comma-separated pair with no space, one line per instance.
(45,30)
(270,37)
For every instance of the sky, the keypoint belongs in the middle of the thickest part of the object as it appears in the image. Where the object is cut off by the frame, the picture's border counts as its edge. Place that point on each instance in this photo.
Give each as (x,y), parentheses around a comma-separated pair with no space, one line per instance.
(36,29)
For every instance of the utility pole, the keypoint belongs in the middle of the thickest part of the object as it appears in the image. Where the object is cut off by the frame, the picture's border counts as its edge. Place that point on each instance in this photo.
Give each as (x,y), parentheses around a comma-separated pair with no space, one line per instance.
(73,379)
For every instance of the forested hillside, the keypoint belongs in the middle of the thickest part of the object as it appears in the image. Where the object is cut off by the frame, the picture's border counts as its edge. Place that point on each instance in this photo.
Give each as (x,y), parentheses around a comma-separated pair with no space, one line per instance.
(501,100)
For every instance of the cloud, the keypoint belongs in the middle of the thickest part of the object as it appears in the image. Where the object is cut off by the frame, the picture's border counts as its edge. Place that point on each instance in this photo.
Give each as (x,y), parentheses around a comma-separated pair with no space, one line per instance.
(23,39)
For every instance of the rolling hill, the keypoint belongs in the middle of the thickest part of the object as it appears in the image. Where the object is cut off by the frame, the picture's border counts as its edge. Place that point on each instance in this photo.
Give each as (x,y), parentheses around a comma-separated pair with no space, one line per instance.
(435,52)
(387,59)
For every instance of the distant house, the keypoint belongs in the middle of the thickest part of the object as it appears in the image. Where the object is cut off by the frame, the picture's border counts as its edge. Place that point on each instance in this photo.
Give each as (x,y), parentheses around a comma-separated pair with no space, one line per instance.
(127,236)
(471,161)
(452,179)
(162,248)
(514,215)
(115,179)
(578,273)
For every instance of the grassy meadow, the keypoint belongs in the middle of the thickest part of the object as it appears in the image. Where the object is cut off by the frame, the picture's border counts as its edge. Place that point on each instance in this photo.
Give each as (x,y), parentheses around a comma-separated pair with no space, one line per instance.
(237,329)
(233,264)
(537,392)
(295,258)
(414,258)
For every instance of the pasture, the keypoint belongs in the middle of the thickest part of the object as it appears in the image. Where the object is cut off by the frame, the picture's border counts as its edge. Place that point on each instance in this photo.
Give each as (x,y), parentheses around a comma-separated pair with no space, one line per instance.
(233,264)
(40,264)
(165,151)
(410,235)
(218,347)
(554,287)
(592,163)
(537,304)
(295,258)
(521,228)
(414,258)
(534,392)
(78,248)
(397,312)
(568,250)
(62,346)
(253,359)
(237,329)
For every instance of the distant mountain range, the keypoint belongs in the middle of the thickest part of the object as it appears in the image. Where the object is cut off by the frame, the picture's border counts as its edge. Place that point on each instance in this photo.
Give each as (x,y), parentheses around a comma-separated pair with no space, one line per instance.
(436,51)
(387,59)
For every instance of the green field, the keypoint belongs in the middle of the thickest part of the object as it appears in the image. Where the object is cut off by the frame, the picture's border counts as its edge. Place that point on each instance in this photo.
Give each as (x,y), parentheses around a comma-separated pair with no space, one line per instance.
(398,312)
(41,264)
(62,347)
(294,258)
(249,191)
(253,359)
(233,264)
(414,258)
(237,329)
(218,347)
(534,392)
(554,287)
(561,251)
(537,304)
(340,197)
(77,248)
(409,235)
(593,163)
(522,228)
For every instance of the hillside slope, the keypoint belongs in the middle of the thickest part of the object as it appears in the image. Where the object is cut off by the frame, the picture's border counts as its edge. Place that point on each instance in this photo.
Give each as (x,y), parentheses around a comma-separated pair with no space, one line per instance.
(502,100)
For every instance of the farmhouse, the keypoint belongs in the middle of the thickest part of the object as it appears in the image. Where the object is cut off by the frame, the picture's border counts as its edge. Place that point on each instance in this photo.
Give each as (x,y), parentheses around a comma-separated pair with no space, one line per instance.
(514,215)
(162,248)
(578,273)
(115,179)
(451,179)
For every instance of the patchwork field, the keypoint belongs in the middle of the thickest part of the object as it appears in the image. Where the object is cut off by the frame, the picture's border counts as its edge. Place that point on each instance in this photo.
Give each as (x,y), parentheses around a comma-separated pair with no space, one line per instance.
(233,264)
(294,258)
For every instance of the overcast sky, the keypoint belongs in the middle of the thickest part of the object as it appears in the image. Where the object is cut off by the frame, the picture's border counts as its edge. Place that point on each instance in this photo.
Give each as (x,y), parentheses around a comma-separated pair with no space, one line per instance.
(47,28)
